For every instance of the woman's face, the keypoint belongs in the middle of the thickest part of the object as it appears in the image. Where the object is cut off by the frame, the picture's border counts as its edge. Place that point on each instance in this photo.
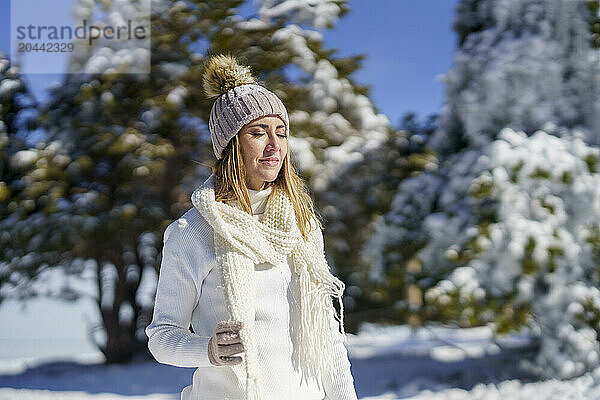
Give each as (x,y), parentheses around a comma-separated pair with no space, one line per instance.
(263,144)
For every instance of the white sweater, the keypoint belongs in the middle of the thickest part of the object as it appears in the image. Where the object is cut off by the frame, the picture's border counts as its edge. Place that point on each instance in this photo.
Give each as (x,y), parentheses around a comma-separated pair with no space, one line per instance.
(190,290)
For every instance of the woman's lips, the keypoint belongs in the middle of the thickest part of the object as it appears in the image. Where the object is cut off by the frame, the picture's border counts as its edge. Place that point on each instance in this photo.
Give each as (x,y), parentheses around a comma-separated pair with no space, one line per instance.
(270,163)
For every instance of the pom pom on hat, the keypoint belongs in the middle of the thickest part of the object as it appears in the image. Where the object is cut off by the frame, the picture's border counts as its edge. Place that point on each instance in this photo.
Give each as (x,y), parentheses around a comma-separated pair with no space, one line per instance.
(223,73)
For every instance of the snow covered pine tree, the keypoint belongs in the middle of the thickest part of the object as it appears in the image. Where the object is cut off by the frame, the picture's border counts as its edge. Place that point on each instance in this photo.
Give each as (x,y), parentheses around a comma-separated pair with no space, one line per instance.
(510,221)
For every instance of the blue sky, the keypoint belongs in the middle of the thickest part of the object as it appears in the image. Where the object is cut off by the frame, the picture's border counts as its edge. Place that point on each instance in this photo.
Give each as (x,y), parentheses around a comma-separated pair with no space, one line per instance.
(408,43)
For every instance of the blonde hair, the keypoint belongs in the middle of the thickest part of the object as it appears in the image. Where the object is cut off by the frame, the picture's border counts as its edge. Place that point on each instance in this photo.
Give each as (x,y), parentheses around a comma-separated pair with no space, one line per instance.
(231,185)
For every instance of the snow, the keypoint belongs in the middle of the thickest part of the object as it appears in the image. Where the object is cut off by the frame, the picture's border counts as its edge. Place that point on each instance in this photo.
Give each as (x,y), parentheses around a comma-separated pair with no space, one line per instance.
(537,249)
(388,362)
(526,75)
(515,70)
(512,210)
(347,133)
(113,55)
(318,13)
(24,158)
(441,343)
(9,394)
(177,96)
(8,87)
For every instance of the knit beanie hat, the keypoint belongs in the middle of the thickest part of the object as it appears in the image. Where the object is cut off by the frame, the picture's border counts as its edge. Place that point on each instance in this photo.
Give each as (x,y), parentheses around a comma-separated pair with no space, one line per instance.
(240,99)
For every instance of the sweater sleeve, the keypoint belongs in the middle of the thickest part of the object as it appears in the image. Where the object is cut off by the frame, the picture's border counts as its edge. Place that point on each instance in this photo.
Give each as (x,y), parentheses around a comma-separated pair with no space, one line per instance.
(339,384)
(170,340)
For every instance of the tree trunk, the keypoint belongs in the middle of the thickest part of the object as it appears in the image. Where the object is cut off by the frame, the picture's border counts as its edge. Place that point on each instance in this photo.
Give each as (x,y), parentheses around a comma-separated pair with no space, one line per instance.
(125,338)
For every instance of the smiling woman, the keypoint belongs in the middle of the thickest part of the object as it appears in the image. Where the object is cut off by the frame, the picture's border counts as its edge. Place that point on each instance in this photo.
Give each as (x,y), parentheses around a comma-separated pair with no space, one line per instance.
(246,266)
(263,146)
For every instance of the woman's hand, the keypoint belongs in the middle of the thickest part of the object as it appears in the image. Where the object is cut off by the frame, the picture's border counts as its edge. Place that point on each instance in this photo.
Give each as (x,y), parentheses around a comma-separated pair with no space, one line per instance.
(224,343)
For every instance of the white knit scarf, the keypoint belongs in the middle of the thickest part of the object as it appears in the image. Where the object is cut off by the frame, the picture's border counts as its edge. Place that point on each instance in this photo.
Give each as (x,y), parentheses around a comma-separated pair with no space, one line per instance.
(241,241)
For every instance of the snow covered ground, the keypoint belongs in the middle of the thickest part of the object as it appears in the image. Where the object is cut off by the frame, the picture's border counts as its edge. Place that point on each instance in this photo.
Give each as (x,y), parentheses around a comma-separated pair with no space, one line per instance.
(387,363)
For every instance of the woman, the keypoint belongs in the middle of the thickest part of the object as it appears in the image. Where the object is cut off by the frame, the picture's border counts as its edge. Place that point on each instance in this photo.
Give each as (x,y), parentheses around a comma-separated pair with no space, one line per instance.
(245,266)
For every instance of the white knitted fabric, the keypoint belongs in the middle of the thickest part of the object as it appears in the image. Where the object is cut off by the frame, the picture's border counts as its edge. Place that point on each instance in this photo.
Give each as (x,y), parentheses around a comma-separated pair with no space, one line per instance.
(258,201)
(242,241)
(190,291)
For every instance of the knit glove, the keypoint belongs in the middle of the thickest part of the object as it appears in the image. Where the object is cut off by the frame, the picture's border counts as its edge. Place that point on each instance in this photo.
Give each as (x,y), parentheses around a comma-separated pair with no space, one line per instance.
(224,343)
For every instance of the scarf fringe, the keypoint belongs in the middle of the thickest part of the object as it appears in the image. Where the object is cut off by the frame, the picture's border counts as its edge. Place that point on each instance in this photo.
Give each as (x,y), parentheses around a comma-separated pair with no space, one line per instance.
(315,334)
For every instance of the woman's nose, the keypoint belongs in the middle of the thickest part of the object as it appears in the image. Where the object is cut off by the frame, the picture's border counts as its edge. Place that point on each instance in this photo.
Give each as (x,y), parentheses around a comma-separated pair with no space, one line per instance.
(273,143)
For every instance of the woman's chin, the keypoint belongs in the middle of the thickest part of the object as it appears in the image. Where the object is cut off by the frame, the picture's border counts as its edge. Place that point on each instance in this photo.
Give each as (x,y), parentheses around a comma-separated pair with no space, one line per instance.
(270,178)
(268,174)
